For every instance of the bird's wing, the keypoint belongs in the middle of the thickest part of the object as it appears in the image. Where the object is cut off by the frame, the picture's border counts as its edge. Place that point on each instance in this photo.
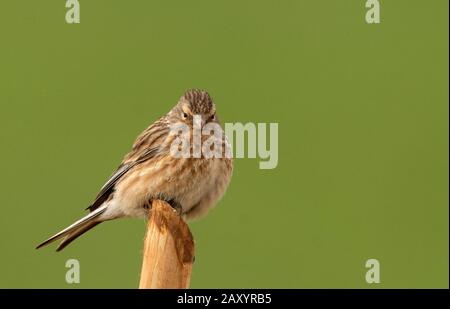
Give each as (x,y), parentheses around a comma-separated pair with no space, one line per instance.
(147,145)
(108,187)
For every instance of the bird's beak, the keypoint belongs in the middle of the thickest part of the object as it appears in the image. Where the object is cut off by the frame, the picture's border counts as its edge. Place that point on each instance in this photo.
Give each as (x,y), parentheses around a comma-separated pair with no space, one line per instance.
(204,121)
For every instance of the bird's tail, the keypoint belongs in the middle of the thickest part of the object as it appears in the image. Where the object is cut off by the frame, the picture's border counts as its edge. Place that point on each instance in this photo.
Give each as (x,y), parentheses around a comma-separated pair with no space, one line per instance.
(76,229)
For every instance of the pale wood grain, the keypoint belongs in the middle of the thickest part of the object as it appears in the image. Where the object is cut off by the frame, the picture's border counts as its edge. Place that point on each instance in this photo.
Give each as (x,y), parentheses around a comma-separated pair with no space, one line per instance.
(168,252)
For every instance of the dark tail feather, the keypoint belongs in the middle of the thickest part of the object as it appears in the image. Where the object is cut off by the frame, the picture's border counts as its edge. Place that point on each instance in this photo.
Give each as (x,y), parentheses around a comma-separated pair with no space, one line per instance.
(71,232)
(75,234)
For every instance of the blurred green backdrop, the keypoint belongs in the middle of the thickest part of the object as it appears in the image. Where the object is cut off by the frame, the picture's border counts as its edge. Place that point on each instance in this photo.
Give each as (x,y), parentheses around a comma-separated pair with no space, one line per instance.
(363,136)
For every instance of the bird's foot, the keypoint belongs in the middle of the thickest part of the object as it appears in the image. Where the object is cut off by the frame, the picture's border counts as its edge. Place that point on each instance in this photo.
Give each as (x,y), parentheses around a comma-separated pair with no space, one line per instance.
(176,206)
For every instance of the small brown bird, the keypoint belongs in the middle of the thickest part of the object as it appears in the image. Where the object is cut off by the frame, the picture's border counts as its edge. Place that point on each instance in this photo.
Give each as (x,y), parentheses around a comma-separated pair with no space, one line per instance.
(192,185)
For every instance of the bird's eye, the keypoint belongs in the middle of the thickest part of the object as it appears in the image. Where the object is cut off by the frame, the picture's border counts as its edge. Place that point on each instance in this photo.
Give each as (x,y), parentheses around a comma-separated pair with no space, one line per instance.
(213,117)
(185,115)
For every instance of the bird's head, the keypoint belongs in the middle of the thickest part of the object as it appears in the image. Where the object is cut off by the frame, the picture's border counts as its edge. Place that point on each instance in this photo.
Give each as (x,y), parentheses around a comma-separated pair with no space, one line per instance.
(194,102)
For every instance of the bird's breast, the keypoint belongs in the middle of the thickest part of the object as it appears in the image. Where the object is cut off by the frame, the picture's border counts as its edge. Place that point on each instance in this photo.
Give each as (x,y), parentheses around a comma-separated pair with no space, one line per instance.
(185,180)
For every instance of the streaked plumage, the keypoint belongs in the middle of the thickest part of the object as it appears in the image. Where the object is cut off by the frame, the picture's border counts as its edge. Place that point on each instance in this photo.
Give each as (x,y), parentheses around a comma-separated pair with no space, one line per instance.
(149,172)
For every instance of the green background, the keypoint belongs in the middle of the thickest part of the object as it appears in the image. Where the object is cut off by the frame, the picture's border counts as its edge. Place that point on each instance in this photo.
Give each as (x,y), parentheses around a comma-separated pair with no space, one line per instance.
(363,136)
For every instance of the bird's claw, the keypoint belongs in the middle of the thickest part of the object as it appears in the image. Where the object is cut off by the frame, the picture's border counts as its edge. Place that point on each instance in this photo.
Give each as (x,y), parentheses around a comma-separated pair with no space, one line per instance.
(176,207)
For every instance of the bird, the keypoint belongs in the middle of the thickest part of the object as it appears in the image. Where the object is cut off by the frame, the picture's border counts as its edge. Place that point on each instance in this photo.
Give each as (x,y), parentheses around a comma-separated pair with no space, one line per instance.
(192,185)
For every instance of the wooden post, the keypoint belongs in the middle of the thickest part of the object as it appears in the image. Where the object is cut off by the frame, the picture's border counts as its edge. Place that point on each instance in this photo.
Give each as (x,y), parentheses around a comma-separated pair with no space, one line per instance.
(168,250)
